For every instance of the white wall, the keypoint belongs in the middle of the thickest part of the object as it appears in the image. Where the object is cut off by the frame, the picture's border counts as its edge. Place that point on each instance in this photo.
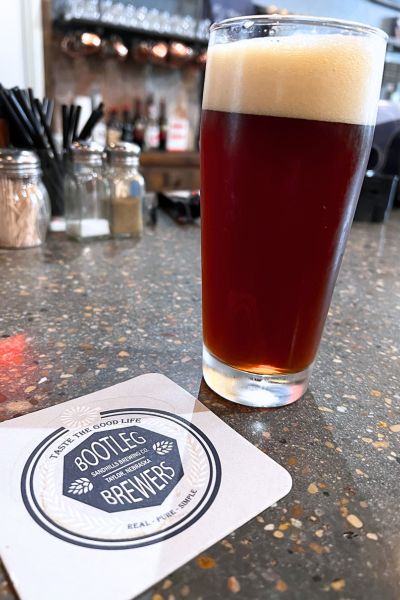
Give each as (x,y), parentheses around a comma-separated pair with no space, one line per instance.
(12,68)
(21,45)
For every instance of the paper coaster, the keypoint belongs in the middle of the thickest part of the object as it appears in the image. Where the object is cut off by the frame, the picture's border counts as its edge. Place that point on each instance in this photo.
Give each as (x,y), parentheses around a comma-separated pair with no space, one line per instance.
(115,490)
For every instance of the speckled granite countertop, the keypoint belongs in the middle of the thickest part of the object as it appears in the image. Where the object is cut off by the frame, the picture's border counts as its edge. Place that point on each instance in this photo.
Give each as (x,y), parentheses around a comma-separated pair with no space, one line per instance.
(77,318)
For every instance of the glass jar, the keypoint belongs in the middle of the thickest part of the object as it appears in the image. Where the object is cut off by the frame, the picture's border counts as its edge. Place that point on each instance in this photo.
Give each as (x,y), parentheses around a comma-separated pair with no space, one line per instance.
(87,194)
(24,202)
(127,189)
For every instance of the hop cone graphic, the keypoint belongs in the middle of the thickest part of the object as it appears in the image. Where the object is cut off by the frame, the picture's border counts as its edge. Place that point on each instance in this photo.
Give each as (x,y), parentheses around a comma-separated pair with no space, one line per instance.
(80,486)
(163,447)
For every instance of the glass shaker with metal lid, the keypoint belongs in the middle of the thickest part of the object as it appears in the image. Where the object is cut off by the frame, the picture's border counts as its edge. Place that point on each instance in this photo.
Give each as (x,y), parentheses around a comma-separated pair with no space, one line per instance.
(87,193)
(24,203)
(127,189)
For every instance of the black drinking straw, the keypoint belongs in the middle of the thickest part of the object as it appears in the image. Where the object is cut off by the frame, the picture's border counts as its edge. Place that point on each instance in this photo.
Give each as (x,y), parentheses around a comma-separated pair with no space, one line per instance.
(76,123)
(30,116)
(71,124)
(65,116)
(44,104)
(49,111)
(14,114)
(92,121)
(32,102)
(47,130)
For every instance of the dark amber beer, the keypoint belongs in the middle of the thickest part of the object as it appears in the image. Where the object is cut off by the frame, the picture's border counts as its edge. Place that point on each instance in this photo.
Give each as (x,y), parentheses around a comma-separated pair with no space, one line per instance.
(286,129)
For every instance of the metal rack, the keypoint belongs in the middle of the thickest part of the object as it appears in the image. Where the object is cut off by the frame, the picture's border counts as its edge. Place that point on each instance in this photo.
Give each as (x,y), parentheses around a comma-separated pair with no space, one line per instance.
(96,15)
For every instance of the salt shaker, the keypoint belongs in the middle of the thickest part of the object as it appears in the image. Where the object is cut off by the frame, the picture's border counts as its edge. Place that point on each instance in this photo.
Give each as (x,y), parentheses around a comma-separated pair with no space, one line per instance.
(127,189)
(24,202)
(87,193)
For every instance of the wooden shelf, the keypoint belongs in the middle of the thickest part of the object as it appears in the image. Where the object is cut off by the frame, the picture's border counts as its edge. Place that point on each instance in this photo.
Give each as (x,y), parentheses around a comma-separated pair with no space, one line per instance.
(170,170)
(170,159)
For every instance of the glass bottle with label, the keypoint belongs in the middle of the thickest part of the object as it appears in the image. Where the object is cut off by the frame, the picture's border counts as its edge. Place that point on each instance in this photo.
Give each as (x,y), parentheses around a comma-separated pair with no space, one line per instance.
(87,193)
(113,127)
(138,124)
(127,190)
(178,128)
(127,126)
(152,131)
(163,126)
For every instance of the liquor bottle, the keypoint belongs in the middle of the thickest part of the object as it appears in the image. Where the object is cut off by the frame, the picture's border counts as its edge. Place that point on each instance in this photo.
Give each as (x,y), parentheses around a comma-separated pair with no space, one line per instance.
(162,126)
(138,124)
(113,127)
(152,131)
(99,132)
(178,128)
(127,127)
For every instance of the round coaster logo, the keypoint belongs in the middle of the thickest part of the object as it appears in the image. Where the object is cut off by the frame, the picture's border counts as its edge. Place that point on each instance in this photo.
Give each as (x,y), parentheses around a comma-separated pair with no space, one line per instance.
(120,479)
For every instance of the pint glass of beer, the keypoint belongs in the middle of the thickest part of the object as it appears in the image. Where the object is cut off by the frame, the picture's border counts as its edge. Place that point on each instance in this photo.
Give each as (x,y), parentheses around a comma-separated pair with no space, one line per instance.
(289,108)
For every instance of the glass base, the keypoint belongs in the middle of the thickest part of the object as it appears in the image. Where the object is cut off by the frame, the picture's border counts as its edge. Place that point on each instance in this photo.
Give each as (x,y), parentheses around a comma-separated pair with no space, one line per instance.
(253,389)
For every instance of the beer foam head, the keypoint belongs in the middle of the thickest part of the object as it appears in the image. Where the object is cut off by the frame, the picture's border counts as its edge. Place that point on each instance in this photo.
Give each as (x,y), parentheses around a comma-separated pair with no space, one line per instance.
(332,77)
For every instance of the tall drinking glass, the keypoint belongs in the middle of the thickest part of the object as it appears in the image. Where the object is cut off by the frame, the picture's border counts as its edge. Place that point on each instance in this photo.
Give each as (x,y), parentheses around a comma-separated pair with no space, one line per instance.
(289,109)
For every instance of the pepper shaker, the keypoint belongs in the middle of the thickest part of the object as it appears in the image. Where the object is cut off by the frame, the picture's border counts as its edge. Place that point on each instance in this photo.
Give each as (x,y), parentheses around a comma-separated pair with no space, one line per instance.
(127,189)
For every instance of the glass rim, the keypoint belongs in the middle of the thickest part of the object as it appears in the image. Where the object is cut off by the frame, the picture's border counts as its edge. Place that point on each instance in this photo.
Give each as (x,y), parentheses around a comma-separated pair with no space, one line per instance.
(303,20)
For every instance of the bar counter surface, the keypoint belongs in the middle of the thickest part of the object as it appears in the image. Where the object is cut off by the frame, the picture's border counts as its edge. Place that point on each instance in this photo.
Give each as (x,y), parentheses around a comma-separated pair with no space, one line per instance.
(77,318)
